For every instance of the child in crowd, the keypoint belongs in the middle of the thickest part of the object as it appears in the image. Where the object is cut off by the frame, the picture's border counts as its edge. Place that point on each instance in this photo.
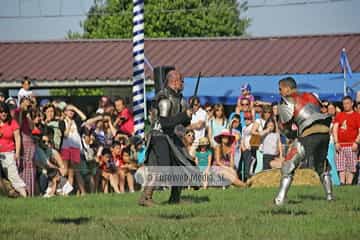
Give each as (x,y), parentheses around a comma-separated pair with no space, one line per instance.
(246,157)
(25,89)
(246,94)
(108,170)
(90,147)
(127,169)
(234,130)
(203,157)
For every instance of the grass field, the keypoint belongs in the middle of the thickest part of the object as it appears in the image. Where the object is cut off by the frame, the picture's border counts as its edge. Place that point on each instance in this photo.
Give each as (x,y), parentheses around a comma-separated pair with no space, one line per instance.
(212,214)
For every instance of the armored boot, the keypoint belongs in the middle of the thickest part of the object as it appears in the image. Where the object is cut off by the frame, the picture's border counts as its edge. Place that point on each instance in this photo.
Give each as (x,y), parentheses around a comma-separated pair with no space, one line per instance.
(146,197)
(285,184)
(175,195)
(327,184)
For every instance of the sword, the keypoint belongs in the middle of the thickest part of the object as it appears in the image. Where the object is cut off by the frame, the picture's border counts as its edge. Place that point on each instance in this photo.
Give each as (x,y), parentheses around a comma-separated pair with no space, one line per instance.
(195,90)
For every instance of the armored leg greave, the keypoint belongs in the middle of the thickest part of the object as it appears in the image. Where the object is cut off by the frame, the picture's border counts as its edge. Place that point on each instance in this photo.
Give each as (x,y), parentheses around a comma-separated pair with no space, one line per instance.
(285,184)
(327,184)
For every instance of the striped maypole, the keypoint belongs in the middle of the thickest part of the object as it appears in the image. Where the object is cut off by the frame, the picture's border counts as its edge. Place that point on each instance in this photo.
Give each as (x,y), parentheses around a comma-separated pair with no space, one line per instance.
(138,67)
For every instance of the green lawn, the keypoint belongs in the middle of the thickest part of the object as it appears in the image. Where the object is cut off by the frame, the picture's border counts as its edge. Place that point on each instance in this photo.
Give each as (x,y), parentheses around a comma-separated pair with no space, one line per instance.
(213,214)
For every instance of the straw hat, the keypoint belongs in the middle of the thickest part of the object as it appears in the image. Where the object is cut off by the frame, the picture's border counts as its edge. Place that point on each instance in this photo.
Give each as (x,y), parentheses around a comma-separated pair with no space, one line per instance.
(204,141)
(224,133)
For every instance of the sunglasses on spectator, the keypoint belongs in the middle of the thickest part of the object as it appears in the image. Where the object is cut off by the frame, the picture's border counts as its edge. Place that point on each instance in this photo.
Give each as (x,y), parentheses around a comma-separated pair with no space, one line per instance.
(209,110)
(245,104)
(190,135)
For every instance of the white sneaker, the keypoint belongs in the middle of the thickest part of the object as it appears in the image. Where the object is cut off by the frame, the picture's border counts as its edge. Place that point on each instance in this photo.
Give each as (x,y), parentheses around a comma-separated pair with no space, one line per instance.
(67,188)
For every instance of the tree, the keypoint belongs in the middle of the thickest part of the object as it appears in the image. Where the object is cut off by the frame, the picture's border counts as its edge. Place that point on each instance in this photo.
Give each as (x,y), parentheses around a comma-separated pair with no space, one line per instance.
(64,92)
(166,18)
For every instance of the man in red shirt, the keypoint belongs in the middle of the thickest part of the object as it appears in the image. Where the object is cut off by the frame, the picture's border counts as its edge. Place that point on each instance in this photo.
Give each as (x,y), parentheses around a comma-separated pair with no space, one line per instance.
(347,137)
(125,118)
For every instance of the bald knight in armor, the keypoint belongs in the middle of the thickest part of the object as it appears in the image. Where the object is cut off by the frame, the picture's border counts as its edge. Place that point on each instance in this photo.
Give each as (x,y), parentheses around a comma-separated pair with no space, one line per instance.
(170,116)
(301,121)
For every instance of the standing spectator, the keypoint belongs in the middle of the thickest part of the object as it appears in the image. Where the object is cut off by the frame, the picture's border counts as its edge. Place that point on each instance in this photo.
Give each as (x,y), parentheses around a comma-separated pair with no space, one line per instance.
(258,133)
(347,136)
(218,123)
(234,130)
(71,146)
(125,118)
(25,89)
(2,97)
(246,157)
(237,112)
(331,110)
(245,107)
(58,127)
(275,111)
(198,120)
(26,162)
(324,106)
(271,144)
(104,103)
(10,146)
(209,116)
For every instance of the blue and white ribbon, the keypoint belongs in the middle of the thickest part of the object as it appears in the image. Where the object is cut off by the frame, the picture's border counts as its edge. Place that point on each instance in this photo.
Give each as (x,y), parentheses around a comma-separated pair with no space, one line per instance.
(138,67)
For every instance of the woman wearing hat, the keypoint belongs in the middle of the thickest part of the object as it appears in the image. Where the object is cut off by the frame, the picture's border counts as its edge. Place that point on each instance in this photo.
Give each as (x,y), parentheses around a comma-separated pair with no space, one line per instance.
(224,157)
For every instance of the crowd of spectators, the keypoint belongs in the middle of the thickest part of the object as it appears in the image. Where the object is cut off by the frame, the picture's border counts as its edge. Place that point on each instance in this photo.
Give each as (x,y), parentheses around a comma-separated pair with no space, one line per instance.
(52,148)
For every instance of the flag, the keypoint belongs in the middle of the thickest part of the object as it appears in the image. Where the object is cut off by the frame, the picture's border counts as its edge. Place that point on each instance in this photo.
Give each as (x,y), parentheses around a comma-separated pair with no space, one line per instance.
(345,65)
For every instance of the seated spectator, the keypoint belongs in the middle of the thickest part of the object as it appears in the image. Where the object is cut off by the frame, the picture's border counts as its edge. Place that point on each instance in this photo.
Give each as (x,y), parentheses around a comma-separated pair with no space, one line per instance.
(109,171)
(138,150)
(127,169)
(224,157)
(188,141)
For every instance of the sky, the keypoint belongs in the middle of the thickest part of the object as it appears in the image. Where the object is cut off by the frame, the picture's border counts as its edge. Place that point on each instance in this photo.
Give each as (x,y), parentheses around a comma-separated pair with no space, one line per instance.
(269,17)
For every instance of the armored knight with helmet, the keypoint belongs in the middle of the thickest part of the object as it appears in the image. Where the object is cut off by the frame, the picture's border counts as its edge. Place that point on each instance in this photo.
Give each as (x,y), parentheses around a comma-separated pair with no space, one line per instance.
(170,115)
(301,120)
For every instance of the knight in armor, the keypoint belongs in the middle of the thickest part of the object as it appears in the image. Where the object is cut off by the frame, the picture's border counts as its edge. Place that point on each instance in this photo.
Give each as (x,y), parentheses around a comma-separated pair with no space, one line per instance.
(301,120)
(170,113)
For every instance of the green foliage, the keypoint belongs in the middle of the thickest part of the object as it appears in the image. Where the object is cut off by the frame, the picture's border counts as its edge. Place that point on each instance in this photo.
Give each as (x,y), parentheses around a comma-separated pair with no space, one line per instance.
(166,18)
(64,92)
(211,214)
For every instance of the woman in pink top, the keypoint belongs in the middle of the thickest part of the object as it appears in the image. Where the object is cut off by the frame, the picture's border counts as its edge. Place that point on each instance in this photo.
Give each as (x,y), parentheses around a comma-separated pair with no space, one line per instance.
(10,145)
